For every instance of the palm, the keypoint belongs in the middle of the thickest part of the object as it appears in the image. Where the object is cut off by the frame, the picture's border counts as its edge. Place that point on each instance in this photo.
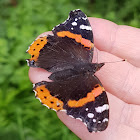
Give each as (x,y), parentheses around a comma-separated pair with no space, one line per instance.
(121,81)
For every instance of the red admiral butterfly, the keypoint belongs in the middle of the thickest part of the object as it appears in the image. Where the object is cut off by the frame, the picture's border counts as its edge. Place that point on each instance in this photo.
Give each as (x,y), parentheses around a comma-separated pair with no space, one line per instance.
(74,88)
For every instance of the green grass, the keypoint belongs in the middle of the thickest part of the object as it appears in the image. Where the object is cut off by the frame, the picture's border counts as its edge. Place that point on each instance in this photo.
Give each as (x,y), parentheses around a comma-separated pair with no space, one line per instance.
(22,117)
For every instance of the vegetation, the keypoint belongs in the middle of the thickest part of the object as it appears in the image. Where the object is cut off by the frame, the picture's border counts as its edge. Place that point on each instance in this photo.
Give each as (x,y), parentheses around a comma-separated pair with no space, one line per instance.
(22,117)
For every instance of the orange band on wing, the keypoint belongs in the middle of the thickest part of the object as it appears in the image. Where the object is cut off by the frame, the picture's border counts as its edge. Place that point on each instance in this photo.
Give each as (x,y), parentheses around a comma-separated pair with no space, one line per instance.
(78,38)
(47,99)
(89,98)
(35,47)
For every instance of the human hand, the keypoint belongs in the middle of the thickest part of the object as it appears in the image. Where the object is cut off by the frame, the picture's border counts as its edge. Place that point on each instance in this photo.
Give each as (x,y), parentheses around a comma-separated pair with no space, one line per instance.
(121,81)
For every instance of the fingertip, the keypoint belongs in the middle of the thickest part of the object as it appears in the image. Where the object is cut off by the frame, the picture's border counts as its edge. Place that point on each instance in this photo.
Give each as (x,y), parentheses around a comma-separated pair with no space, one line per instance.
(103,32)
(38,74)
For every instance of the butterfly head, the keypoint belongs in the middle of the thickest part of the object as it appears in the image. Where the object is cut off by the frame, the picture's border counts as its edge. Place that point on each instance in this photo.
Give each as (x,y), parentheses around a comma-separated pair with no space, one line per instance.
(96,66)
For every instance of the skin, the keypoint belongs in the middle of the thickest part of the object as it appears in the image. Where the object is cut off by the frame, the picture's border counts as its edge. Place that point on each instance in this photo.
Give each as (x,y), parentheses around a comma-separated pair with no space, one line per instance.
(120,79)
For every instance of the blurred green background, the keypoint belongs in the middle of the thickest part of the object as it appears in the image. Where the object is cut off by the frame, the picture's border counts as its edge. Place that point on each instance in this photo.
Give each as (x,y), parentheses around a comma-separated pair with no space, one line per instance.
(22,117)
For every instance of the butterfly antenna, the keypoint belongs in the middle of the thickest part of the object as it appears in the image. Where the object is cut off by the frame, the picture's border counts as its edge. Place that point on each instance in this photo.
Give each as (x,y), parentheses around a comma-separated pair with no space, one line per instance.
(96,58)
(116,61)
(97,55)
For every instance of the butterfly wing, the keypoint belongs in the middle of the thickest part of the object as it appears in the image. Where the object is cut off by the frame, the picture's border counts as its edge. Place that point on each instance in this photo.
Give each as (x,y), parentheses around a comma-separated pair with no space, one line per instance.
(76,23)
(82,97)
(64,48)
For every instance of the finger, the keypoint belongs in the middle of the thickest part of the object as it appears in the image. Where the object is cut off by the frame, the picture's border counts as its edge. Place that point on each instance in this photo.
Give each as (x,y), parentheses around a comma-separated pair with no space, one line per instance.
(119,78)
(38,74)
(45,34)
(118,126)
(122,41)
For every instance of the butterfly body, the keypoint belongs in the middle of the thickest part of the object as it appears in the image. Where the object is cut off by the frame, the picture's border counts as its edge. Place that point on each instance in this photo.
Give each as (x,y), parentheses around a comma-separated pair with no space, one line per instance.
(79,69)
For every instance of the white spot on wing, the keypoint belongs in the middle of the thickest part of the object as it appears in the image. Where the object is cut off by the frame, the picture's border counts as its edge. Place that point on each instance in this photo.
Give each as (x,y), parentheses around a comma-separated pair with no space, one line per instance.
(84,18)
(71,116)
(100,109)
(33,85)
(105,120)
(94,120)
(76,19)
(79,119)
(84,27)
(74,23)
(86,109)
(27,62)
(90,115)
(71,28)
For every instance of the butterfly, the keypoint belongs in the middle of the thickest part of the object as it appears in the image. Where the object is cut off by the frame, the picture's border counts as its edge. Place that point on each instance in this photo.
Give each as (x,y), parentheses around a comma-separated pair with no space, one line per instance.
(74,88)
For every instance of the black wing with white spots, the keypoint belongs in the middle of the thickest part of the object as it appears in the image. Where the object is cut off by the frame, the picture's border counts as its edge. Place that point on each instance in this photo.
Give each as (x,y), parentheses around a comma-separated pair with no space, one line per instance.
(76,23)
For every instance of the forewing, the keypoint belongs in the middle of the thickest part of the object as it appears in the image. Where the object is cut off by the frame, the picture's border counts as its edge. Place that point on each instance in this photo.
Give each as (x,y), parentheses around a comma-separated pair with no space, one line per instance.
(65,47)
(58,54)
